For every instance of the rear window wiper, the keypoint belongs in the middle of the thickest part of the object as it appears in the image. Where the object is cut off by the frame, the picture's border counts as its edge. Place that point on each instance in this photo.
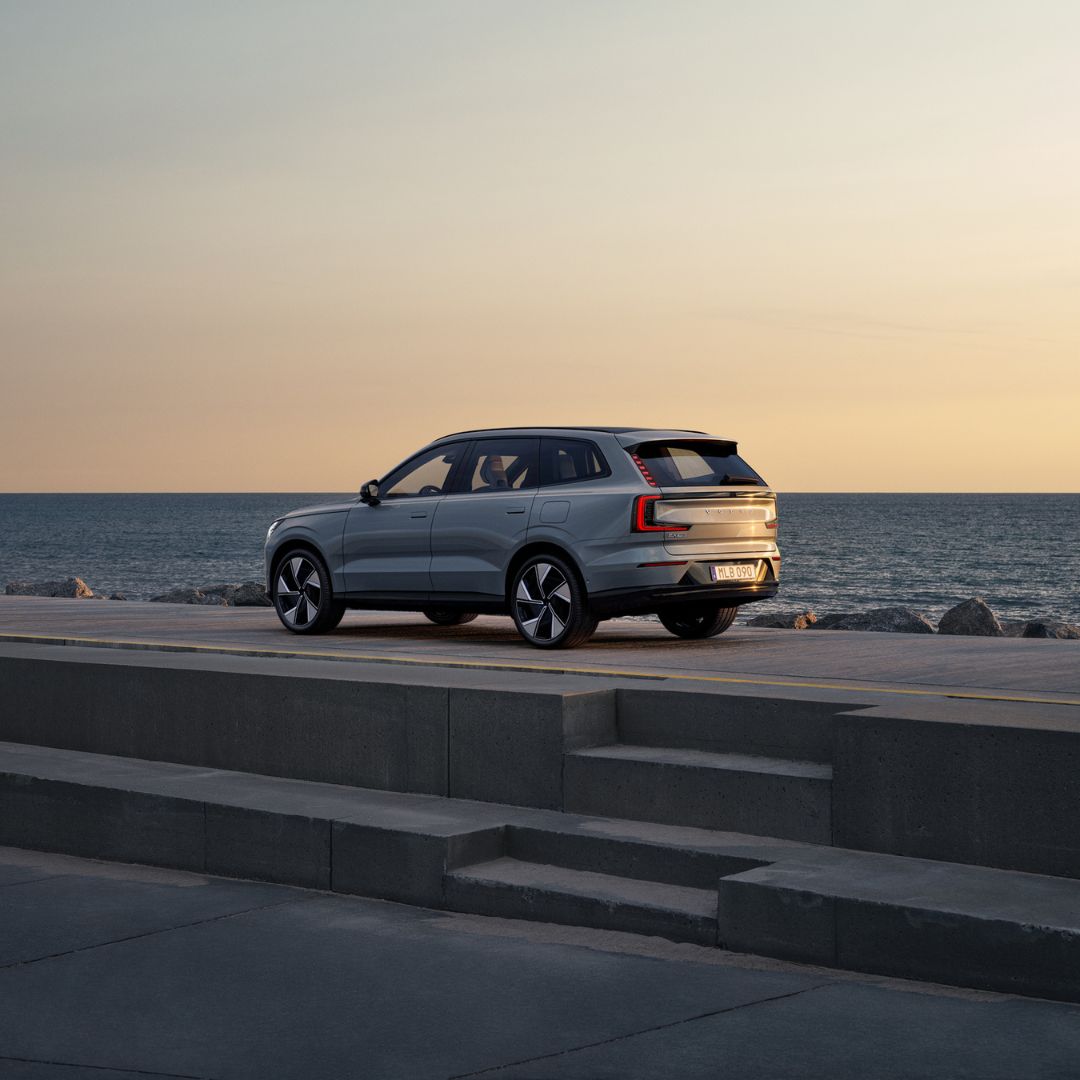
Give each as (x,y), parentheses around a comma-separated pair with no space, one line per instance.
(729,479)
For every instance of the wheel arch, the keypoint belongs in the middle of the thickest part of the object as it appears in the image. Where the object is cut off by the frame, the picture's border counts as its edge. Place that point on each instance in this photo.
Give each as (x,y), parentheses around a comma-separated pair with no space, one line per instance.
(542,547)
(294,543)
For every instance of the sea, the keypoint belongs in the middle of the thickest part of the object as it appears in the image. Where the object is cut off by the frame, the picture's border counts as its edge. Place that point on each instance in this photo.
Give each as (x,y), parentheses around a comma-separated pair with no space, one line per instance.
(841,552)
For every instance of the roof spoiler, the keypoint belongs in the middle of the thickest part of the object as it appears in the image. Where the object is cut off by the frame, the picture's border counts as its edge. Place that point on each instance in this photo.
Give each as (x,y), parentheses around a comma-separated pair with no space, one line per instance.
(728,446)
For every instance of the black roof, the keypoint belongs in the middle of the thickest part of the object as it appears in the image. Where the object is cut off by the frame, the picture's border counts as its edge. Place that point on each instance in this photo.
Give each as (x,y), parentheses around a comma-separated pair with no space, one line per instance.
(565,427)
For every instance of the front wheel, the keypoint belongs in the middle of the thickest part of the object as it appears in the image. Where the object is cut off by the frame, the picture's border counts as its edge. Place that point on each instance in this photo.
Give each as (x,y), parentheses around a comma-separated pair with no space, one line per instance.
(695,621)
(303,597)
(444,617)
(549,605)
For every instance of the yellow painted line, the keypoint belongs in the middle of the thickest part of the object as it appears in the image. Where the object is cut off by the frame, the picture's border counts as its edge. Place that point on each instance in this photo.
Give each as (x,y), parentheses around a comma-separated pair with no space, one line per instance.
(492,665)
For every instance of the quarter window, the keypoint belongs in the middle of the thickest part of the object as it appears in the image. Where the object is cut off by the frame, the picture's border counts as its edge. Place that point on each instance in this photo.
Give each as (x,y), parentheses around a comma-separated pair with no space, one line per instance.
(566,461)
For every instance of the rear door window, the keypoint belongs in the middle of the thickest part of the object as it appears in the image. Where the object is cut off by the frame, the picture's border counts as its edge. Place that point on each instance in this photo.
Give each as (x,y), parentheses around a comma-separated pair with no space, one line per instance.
(501,465)
(696,463)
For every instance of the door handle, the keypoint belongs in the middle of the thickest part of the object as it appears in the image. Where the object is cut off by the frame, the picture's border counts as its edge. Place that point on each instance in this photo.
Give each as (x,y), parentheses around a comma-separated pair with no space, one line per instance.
(515,510)
(422,514)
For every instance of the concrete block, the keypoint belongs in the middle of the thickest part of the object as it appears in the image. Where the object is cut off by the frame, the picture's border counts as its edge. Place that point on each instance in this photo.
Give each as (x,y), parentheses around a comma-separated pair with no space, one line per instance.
(507,746)
(101,822)
(728,723)
(789,924)
(915,942)
(265,846)
(380,735)
(985,794)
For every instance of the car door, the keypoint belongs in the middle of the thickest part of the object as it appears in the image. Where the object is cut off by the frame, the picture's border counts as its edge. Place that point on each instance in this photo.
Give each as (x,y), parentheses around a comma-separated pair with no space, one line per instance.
(485,518)
(386,547)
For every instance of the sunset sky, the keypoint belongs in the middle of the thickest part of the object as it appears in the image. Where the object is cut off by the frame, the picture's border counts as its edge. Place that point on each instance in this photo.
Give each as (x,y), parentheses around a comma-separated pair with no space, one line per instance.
(269,246)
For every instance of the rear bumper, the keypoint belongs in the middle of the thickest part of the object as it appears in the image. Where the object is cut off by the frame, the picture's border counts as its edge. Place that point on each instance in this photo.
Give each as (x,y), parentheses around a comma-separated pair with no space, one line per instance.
(649,600)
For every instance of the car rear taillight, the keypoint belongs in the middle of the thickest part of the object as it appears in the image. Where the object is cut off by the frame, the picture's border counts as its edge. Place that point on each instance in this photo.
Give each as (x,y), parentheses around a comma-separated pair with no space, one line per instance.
(774,524)
(644,516)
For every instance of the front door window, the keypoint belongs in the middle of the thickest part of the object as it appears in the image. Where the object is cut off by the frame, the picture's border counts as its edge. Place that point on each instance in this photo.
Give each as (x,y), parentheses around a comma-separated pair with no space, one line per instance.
(427,474)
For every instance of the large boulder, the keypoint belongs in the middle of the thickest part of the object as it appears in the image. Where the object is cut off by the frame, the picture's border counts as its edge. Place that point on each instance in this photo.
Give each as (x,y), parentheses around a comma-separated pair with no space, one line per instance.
(890,620)
(72,587)
(1045,629)
(1013,627)
(250,594)
(973,617)
(785,620)
(224,590)
(189,596)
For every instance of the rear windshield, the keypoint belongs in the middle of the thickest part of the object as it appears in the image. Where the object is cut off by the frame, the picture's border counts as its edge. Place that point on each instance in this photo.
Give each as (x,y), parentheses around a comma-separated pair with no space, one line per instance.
(696,463)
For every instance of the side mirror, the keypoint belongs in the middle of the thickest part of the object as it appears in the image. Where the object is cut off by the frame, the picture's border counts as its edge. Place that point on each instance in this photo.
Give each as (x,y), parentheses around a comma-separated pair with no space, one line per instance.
(369,493)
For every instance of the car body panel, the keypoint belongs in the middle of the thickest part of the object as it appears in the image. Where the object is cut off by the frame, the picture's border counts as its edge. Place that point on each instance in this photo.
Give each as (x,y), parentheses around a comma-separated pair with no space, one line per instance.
(474,538)
(386,546)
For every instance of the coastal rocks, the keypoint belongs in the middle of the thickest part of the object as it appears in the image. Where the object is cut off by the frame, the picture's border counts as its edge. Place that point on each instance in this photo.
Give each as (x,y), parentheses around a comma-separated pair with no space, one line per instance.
(73,588)
(891,620)
(1040,629)
(250,594)
(190,596)
(1013,627)
(785,620)
(225,594)
(973,617)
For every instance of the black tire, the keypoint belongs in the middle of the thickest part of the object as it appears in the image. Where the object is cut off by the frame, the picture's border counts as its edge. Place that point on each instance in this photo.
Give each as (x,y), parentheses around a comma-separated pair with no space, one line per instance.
(303,594)
(549,604)
(696,621)
(445,617)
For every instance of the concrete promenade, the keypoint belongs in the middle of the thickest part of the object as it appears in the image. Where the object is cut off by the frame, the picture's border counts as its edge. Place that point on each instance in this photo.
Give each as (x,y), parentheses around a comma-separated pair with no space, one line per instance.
(1008,666)
(113,972)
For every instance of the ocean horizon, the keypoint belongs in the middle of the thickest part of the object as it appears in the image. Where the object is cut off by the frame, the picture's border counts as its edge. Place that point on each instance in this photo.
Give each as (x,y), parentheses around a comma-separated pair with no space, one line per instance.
(846,551)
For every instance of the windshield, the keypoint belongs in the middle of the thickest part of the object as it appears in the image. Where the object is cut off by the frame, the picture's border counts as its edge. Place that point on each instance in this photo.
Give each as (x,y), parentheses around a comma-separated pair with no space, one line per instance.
(696,463)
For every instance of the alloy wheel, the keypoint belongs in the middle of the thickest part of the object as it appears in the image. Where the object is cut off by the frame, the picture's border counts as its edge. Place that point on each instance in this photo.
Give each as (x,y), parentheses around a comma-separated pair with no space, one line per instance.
(544,602)
(299,591)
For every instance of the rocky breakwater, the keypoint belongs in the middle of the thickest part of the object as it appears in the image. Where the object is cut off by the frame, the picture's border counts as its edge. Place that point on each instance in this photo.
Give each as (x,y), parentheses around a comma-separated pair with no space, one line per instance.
(970,618)
(244,594)
(72,588)
(240,594)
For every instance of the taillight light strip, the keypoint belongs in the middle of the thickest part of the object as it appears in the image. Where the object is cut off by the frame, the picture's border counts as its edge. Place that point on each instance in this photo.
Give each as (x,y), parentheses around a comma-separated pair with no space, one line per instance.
(643,521)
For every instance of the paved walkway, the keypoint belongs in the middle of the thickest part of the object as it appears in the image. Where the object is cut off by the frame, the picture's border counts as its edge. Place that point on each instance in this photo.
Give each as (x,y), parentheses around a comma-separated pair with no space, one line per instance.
(111,972)
(1004,666)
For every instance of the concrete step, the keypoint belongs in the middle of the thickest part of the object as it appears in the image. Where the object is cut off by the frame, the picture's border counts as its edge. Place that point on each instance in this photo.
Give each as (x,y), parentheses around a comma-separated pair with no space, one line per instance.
(390,845)
(516,889)
(1000,930)
(893,915)
(781,727)
(759,795)
(674,857)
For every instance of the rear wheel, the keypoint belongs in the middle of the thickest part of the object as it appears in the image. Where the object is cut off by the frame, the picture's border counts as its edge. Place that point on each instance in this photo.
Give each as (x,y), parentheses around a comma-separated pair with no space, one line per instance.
(703,620)
(445,617)
(303,597)
(549,604)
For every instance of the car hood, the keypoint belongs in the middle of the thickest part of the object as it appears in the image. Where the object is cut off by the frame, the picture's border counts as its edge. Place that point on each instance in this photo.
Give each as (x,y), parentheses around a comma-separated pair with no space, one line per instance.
(320,508)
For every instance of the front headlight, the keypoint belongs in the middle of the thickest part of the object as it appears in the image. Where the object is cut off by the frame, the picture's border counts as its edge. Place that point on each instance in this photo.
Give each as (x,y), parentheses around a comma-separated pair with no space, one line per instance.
(273,526)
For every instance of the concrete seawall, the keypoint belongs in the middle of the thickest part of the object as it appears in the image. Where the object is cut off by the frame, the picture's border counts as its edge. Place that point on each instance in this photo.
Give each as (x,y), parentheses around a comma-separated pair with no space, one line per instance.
(992,783)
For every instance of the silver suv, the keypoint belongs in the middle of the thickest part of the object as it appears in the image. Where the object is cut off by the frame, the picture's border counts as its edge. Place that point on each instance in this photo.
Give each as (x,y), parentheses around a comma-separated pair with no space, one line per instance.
(557,527)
